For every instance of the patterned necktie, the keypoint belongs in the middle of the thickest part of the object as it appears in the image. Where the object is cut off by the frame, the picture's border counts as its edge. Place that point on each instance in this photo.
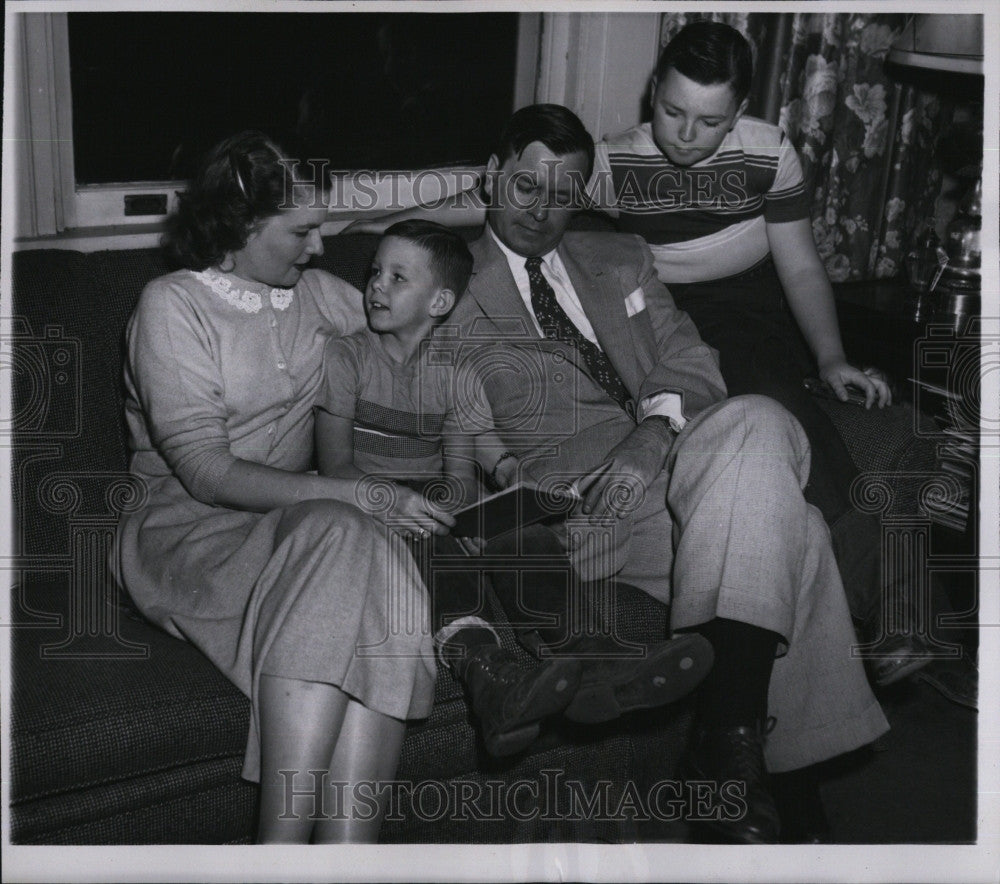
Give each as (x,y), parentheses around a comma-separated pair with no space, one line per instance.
(556,324)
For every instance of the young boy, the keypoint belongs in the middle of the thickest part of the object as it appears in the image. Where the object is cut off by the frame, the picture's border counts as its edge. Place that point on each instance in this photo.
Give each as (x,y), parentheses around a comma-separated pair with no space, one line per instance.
(385,410)
(382,412)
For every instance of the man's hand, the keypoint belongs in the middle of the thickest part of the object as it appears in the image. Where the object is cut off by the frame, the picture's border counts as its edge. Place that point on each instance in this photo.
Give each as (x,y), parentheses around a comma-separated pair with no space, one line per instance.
(871,382)
(618,484)
(374,225)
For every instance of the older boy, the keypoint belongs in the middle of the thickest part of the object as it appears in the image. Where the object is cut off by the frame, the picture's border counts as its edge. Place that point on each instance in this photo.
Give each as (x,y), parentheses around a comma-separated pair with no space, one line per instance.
(720,199)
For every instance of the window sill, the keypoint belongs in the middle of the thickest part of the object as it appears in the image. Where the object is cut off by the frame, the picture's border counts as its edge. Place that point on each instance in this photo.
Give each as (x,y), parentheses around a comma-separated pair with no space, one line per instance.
(143,236)
(96,239)
(353,196)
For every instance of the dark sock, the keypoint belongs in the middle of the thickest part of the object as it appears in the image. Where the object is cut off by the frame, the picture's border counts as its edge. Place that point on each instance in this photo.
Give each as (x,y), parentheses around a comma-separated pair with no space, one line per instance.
(735,689)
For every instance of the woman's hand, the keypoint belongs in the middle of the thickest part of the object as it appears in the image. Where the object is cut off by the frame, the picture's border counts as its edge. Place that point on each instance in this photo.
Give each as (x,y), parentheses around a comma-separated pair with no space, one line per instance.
(871,382)
(407,512)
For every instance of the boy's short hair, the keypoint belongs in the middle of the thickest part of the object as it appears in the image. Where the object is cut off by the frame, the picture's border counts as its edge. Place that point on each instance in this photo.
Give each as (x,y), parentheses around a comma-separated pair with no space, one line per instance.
(555,126)
(451,260)
(710,52)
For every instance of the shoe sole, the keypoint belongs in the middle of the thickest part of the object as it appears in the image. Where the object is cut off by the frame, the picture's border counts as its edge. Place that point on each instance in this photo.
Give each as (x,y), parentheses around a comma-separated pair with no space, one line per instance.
(904,670)
(963,698)
(672,670)
(733,835)
(550,694)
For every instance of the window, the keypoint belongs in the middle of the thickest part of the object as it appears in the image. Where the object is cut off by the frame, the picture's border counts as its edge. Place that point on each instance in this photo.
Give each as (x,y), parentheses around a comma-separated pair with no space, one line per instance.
(109,105)
(122,104)
(152,91)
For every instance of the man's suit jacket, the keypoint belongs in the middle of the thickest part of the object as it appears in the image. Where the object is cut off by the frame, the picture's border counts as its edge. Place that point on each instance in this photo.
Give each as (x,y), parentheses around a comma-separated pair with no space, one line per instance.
(544,402)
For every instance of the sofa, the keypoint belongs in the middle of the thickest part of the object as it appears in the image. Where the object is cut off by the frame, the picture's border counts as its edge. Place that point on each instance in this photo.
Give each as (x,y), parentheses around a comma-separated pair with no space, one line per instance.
(121,734)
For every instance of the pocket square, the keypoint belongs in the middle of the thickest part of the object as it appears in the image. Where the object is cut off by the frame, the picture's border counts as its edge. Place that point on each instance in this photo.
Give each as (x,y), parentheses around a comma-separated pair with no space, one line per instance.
(635,303)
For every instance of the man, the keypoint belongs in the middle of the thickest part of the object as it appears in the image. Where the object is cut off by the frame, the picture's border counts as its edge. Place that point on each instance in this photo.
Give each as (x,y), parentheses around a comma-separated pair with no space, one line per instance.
(593,375)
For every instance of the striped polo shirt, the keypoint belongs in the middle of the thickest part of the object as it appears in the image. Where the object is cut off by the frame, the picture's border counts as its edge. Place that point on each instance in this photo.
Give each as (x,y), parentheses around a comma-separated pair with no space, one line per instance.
(400,410)
(708,220)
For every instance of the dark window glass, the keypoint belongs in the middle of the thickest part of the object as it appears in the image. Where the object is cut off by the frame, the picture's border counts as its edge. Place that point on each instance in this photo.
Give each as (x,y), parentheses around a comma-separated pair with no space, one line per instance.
(152,91)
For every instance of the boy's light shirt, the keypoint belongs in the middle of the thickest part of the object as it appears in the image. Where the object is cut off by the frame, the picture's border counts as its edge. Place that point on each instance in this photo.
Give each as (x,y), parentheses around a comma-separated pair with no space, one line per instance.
(726,252)
(664,404)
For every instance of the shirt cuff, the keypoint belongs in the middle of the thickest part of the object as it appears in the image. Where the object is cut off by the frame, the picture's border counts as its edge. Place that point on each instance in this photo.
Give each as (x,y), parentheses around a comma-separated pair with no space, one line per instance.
(666,405)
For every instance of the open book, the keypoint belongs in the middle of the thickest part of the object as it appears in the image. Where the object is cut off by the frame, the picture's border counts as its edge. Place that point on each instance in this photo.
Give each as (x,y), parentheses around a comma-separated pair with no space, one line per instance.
(524,503)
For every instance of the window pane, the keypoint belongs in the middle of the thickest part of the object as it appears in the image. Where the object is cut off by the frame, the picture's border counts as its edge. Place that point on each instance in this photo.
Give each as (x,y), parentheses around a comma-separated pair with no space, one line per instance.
(152,91)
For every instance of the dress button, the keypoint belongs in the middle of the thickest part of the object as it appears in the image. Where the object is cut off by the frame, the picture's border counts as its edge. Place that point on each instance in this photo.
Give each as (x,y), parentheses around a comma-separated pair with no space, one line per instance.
(270,431)
(281,365)
(274,322)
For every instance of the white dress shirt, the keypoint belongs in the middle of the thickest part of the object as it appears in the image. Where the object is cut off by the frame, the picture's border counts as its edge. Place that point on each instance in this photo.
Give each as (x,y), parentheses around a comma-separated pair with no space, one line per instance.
(664,404)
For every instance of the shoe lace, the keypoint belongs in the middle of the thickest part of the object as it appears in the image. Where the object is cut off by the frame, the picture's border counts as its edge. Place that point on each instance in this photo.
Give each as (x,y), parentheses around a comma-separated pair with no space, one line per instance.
(498,666)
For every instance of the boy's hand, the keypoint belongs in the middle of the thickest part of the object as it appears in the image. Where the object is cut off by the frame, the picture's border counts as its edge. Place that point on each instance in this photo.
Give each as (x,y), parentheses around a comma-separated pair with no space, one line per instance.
(871,382)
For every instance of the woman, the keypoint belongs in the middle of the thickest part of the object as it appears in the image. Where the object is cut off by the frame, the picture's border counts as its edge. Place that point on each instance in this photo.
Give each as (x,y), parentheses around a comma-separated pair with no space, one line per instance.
(281,577)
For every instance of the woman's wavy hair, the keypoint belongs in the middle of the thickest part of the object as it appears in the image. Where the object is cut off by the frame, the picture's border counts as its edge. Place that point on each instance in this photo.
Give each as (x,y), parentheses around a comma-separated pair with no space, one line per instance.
(241,180)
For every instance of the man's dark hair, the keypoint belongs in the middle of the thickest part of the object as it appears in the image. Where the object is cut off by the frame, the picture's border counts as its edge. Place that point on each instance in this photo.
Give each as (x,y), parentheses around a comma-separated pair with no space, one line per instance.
(710,52)
(451,260)
(555,126)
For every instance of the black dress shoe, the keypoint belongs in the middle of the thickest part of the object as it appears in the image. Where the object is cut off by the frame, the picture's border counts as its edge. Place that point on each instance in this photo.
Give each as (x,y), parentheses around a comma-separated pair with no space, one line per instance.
(613,682)
(956,680)
(894,655)
(731,759)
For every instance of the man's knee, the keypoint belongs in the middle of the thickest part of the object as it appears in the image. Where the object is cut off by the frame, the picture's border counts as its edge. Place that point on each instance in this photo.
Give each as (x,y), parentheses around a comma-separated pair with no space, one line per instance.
(751,426)
(763,418)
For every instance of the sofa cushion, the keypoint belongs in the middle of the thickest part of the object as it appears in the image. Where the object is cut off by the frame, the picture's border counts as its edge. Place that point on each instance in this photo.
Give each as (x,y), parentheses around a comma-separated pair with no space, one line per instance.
(894,448)
(112,708)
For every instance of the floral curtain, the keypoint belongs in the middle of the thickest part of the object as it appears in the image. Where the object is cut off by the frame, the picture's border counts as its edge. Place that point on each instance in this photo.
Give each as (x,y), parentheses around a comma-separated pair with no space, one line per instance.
(866,143)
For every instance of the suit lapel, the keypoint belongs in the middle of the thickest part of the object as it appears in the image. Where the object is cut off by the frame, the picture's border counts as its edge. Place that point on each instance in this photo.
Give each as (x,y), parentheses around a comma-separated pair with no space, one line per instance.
(494,289)
(604,305)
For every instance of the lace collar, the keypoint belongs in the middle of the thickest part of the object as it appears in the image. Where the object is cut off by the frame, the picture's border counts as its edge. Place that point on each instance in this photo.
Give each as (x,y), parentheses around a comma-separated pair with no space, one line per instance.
(247,300)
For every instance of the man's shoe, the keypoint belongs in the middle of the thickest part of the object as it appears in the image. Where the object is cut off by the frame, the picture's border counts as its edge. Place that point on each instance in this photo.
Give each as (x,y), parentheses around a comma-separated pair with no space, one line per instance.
(613,684)
(891,657)
(510,701)
(731,760)
(898,658)
(956,680)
